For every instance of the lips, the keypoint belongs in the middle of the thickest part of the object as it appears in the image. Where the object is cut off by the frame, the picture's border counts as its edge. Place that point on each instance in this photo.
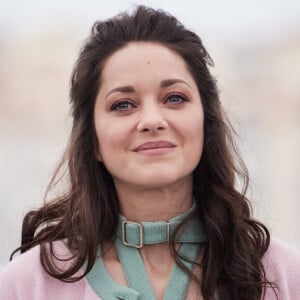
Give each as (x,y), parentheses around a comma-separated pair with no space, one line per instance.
(154,145)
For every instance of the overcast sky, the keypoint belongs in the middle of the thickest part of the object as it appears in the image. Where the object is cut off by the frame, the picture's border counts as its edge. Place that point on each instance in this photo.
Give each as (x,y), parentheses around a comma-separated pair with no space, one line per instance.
(230,19)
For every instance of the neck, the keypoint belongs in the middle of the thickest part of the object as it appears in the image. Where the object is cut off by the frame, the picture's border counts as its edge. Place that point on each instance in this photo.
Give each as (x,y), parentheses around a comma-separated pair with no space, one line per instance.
(150,205)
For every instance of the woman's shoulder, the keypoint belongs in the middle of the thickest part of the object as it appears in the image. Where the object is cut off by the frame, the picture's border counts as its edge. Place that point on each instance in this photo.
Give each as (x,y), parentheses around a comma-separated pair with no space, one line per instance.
(29,262)
(282,255)
(17,276)
(25,278)
(282,267)
(23,265)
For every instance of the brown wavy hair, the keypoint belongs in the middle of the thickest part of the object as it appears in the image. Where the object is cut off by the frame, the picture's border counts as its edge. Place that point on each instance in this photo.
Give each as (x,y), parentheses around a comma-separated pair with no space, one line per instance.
(85,213)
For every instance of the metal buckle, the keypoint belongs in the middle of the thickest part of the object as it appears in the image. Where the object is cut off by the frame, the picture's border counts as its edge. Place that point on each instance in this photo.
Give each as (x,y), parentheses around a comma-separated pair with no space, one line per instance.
(141,234)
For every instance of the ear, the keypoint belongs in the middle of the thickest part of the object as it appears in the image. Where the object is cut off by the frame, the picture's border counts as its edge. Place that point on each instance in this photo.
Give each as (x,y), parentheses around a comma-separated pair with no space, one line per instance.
(98,156)
(96,149)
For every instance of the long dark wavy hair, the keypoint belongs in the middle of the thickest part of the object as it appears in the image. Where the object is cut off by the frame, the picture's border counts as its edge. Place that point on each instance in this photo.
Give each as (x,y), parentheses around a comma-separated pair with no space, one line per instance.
(85,213)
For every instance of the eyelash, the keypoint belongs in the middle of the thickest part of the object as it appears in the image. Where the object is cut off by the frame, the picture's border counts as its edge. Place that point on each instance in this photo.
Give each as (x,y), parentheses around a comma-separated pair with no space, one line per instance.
(183,98)
(117,105)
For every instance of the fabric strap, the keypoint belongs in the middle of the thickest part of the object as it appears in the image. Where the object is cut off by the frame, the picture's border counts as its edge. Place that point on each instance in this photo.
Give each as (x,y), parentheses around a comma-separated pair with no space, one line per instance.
(135,235)
(132,235)
(137,278)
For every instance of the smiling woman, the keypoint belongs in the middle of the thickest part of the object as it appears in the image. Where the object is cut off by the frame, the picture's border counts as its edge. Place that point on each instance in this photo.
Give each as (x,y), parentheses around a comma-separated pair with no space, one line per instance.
(152,125)
(151,209)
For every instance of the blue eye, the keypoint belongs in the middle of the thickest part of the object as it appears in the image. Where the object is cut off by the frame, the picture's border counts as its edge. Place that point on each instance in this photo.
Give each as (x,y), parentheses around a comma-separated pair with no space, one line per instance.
(122,105)
(175,99)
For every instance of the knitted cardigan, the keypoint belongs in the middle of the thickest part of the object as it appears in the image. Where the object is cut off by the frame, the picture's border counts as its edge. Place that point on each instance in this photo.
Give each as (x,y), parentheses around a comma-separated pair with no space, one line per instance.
(25,279)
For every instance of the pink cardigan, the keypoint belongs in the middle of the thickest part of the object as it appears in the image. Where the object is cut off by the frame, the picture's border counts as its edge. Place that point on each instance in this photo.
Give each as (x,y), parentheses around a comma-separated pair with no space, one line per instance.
(25,279)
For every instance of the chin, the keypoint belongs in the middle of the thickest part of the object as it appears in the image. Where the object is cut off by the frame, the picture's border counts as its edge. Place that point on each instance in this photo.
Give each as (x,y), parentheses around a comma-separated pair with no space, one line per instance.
(159,181)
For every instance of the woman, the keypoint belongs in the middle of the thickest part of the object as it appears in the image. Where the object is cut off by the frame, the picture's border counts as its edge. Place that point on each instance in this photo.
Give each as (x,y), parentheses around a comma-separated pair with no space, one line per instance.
(150,209)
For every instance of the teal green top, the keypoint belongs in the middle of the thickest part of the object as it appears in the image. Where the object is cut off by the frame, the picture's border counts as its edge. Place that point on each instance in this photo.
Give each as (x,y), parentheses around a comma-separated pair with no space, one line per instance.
(130,237)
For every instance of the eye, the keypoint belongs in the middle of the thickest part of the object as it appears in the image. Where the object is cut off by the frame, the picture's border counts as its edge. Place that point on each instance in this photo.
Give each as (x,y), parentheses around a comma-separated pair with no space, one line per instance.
(175,99)
(122,105)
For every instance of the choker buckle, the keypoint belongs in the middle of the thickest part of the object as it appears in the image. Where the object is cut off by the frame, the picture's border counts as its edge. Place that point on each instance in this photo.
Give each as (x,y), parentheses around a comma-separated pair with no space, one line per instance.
(140,233)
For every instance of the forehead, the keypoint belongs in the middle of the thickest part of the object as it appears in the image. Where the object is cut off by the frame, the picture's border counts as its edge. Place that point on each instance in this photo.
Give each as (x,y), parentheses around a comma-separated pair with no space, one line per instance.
(140,60)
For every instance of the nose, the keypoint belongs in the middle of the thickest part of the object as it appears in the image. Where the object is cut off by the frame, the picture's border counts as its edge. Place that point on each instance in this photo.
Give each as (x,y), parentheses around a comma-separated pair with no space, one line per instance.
(151,119)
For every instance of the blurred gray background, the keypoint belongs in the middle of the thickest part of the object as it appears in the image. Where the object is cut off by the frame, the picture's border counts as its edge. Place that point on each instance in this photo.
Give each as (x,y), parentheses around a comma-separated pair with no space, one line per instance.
(256,49)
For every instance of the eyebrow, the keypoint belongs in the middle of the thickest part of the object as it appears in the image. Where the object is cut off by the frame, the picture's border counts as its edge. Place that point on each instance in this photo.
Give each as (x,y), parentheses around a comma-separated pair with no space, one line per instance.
(123,89)
(130,89)
(169,82)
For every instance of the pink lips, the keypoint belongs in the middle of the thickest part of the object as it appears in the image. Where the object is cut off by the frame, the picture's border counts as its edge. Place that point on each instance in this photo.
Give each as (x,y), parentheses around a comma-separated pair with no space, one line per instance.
(155,148)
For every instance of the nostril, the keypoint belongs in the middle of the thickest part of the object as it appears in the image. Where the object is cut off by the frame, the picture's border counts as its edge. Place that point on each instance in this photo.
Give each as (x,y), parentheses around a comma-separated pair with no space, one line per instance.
(152,125)
(145,129)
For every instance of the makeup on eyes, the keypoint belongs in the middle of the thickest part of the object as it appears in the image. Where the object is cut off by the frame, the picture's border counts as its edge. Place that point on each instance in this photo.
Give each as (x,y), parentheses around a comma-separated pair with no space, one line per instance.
(121,105)
(176,95)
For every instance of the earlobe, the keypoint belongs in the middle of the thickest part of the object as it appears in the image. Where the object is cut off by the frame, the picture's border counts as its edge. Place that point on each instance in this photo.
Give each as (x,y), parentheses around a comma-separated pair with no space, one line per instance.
(97,151)
(98,156)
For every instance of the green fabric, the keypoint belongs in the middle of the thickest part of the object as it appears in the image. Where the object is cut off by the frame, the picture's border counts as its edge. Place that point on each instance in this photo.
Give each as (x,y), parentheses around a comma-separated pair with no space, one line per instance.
(179,281)
(138,279)
(134,270)
(156,232)
(139,285)
(104,285)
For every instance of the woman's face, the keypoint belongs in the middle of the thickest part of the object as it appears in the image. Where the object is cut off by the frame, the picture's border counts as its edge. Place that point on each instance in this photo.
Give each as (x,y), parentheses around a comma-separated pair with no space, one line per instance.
(148,117)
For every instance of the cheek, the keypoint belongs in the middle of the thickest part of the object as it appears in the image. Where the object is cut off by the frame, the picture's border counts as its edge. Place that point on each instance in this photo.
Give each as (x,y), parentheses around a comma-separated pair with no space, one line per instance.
(197,137)
(106,141)
(194,125)
(194,133)
(110,139)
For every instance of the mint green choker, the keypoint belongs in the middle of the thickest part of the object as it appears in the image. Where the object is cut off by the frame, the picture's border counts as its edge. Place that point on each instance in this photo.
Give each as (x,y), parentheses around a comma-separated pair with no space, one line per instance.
(131,236)
(134,234)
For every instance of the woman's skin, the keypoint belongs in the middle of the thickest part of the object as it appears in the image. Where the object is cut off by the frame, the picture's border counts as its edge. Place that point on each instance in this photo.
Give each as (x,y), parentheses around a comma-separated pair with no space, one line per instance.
(150,127)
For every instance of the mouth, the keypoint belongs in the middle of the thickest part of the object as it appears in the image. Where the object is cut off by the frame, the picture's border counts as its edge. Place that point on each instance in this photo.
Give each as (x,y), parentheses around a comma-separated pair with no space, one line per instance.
(155,148)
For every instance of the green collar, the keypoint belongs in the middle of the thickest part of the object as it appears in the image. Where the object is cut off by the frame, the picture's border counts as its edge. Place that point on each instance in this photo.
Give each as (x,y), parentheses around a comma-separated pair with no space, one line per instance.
(134,234)
(130,237)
